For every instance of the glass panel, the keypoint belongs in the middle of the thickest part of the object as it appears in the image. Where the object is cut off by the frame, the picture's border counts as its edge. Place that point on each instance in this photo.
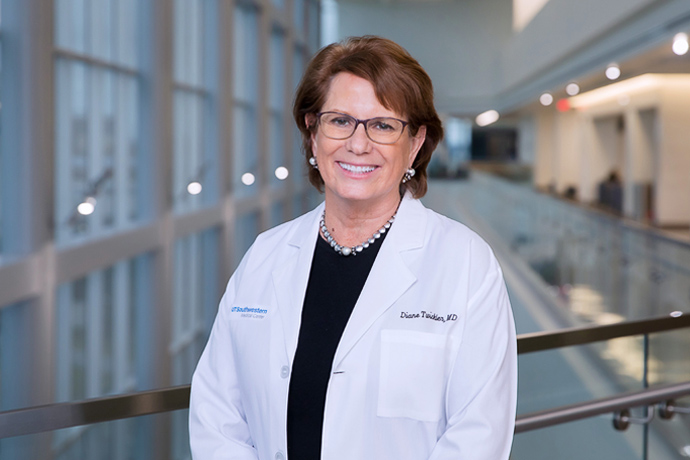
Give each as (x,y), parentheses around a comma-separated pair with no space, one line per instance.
(276,144)
(604,270)
(189,42)
(15,343)
(277,213)
(98,323)
(195,300)
(298,14)
(189,167)
(96,151)
(103,29)
(247,227)
(298,165)
(245,158)
(593,439)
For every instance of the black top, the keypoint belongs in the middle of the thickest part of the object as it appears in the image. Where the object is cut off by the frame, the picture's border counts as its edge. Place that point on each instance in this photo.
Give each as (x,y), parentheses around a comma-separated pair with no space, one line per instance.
(335,282)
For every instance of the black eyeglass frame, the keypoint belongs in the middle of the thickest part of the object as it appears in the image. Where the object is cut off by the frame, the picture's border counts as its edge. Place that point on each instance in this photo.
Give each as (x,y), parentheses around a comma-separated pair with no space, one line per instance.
(364,123)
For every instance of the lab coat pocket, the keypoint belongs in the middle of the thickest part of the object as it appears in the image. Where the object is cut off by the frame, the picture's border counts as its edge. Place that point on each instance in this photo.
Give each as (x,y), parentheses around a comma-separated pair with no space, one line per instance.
(412,374)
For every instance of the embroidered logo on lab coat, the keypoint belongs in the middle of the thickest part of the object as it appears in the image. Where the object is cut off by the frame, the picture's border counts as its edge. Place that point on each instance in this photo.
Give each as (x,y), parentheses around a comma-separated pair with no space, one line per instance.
(248,312)
(429,315)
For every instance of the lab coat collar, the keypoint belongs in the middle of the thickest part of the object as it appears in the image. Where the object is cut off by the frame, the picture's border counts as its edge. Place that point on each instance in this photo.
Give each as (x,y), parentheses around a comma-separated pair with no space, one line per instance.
(389,278)
(290,280)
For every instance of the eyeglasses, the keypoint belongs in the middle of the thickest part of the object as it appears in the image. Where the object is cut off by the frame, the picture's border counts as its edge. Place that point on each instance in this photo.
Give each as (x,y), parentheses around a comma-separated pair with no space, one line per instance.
(382,130)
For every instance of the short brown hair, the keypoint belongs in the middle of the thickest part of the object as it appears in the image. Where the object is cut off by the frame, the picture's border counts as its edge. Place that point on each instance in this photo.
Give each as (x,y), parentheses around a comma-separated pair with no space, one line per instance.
(400,84)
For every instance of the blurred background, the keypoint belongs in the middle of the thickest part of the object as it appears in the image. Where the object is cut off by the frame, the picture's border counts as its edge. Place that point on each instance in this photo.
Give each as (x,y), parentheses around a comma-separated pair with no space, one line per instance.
(145,143)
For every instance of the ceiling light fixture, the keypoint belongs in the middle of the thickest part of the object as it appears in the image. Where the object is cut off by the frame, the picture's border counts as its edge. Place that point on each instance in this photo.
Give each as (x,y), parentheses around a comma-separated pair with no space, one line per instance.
(546,99)
(572,89)
(680,44)
(486,118)
(613,71)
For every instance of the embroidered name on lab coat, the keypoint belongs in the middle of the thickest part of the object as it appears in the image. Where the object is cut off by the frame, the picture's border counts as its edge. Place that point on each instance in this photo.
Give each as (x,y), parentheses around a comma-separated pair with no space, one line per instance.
(248,312)
(429,315)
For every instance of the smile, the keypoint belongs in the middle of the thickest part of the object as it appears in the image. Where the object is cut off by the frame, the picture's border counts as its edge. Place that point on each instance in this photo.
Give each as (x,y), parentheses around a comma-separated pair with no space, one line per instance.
(356,169)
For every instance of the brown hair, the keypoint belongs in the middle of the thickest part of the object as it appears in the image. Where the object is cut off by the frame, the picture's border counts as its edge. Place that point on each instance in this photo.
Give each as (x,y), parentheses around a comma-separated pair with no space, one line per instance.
(400,84)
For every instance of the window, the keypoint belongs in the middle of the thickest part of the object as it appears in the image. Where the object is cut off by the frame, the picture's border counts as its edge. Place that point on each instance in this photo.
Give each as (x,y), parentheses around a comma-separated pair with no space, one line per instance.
(97,138)
(276,101)
(247,227)
(101,329)
(193,163)
(195,302)
(245,164)
(298,165)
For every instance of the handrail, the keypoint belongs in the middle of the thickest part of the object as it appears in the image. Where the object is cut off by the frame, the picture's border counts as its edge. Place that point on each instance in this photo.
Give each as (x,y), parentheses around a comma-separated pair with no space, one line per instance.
(52,417)
(578,411)
(540,341)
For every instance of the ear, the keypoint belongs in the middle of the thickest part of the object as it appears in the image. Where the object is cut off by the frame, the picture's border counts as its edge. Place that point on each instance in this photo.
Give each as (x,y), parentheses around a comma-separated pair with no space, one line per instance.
(416,143)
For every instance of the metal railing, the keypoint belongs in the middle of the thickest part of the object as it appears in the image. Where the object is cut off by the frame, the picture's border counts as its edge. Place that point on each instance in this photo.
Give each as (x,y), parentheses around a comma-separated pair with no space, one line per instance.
(52,417)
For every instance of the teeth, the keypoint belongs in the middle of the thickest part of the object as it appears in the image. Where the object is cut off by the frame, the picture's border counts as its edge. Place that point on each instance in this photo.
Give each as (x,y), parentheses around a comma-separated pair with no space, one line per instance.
(357,169)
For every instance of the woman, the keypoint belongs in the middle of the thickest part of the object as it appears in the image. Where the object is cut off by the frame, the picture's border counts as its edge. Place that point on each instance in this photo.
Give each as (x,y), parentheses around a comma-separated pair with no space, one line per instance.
(371,327)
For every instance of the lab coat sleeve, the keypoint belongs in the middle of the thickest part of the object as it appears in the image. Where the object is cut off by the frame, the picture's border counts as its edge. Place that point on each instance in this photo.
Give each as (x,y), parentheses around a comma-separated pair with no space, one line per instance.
(482,388)
(217,424)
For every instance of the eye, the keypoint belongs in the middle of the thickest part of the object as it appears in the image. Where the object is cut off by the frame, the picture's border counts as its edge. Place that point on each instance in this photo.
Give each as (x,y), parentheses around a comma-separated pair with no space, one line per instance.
(383,125)
(339,121)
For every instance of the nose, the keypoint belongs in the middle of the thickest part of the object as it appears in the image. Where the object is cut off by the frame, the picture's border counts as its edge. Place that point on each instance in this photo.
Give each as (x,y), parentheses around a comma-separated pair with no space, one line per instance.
(359,142)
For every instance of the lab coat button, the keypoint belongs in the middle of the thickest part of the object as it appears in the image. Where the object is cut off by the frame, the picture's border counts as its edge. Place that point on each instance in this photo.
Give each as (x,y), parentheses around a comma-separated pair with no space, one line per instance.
(279,456)
(284,372)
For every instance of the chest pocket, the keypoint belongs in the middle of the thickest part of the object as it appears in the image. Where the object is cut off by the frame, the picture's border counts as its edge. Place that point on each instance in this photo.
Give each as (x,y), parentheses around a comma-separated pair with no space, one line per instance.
(413,372)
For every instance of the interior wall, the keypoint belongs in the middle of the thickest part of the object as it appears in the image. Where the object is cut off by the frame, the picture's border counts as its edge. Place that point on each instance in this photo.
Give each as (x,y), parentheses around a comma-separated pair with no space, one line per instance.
(469,47)
(672,184)
(457,42)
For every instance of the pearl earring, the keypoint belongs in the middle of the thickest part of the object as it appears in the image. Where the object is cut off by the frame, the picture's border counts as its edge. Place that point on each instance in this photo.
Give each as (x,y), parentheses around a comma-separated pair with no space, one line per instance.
(408,175)
(312,161)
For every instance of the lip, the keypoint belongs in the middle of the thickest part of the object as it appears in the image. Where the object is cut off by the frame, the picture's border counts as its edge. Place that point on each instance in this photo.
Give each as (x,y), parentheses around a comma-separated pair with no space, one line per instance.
(356,170)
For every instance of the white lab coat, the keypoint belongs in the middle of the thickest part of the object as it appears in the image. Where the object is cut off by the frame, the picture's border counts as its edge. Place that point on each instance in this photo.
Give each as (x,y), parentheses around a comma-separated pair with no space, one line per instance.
(425,370)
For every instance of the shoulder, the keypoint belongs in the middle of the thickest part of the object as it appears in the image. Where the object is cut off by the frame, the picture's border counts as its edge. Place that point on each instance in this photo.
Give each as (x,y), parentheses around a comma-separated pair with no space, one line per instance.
(283,241)
(448,247)
(453,235)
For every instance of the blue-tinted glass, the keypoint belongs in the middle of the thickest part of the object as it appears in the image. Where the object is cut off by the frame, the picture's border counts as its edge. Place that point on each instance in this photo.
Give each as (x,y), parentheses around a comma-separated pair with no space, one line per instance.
(245,155)
(298,169)
(277,213)
(104,29)
(189,41)
(15,346)
(195,299)
(247,227)
(99,325)
(96,151)
(276,145)
(190,168)
(298,14)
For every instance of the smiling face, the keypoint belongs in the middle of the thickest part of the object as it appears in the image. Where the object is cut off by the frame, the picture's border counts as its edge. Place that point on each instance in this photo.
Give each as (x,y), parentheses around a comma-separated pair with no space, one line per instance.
(357,171)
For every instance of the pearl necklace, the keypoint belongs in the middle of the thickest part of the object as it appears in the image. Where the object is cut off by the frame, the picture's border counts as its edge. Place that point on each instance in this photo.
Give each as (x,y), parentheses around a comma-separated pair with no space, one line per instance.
(346,251)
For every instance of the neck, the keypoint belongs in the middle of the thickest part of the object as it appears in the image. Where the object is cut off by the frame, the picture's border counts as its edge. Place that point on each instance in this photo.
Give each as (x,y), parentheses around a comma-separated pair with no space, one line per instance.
(351,223)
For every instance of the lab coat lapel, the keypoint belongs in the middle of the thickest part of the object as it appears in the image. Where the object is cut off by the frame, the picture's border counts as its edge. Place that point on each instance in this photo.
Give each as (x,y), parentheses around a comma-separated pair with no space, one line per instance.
(390,276)
(290,280)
